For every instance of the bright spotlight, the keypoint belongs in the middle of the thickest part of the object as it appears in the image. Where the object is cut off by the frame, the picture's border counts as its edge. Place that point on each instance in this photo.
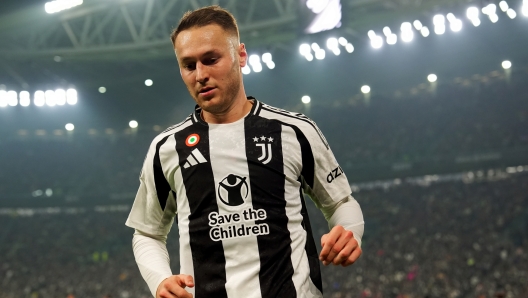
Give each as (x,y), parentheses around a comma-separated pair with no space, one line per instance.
(320,54)
(148,82)
(246,70)
(392,39)
(489,9)
(494,18)
(343,41)
(456,25)
(504,6)
(349,48)
(309,57)
(304,49)
(69,127)
(50,98)
(257,67)
(12,98)
(266,57)
(39,98)
(270,65)
(377,42)
(511,13)
(438,20)
(60,97)
(475,22)
(365,89)
(451,17)
(440,29)
(332,43)
(432,78)
(387,31)
(336,51)
(254,59)
(407,36)
(371,34)
(71,96)
(506,64)
(472,13)
(306,99)
(524,8)
(406,26)
(315,47)
(3,99)
(417,25)
(59,5)
(102,89)
(24,98)
(133,124)
(425,31)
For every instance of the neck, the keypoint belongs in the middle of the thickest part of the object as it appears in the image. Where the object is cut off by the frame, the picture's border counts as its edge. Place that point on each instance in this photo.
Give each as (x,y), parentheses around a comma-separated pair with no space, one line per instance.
(236,111)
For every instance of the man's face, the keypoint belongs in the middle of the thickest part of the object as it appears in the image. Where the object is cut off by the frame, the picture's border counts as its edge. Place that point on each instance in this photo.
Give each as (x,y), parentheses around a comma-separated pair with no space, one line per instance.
(210,61)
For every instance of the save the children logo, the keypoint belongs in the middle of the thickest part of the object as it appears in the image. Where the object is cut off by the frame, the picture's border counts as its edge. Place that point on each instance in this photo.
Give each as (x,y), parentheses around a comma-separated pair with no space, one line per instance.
(233,190)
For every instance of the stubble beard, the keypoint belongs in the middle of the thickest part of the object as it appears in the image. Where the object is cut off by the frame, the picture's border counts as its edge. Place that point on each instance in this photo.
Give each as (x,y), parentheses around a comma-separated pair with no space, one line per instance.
(227,99)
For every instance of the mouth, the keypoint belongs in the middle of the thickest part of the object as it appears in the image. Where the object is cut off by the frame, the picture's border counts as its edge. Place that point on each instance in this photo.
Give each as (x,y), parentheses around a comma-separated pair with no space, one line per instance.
(205,91)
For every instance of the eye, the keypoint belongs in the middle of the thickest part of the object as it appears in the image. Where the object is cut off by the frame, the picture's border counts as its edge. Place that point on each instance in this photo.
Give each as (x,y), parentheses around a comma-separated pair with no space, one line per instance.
(190,66)
(210,61)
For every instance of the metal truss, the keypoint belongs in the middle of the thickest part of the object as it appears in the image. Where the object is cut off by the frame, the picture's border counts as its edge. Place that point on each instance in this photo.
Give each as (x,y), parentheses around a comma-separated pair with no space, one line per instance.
(135,28)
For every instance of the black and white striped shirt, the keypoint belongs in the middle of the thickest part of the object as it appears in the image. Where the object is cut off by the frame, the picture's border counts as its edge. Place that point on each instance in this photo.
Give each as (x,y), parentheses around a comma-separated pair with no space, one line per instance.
(237,190)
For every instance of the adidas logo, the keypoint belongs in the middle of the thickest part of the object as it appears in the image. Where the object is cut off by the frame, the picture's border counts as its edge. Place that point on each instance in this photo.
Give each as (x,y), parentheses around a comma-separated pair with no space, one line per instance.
(194,158)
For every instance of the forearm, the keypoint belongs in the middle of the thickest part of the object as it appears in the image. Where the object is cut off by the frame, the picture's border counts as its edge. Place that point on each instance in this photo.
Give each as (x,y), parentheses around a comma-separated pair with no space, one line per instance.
(152,259)
(348,214)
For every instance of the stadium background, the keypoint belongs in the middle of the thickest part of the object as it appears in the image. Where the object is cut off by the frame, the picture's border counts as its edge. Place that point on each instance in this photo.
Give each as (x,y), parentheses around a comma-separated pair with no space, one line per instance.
(439,168)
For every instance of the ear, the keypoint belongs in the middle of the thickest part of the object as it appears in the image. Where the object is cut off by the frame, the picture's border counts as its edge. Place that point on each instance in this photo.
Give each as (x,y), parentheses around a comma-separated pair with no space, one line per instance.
(242,54)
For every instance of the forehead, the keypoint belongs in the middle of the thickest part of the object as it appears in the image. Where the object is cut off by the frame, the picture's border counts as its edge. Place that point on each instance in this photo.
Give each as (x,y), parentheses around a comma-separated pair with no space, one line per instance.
(198,40)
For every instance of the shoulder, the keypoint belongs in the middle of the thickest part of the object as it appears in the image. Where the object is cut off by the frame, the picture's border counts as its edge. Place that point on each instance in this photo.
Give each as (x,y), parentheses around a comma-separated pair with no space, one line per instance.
(298,121)
(164,135)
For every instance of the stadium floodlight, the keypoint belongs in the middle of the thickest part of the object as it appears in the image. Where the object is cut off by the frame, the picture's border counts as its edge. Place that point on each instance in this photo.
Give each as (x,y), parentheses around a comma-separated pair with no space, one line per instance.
(440,29)
(39,98)
(60,97)
(439,20)
(102,89)
(24,98)
(270,65)
(148,82)
(266,58)
(511,13)
(246,70)
(71,96)
(406,26)
(12,98)
(506,64)
(425,31)
(332,43)
(315,47)
(133,124)
(320,54)
(376,42)
(456,25)
(450,17)
(256,67)
(524,8)
(489,9)
(475,22)
(336,51)
(472,13)
(254,59)
(309,57)
(387,31)
(343,41)
(50,98)
(306,99)
(493,18)
(3,99)
(69,127)
(504,6)
(371,34)
(407,36)
(365,89)
(304,49)
(432,78)
(349,48)
(60,5)
(417,25)
(392,39)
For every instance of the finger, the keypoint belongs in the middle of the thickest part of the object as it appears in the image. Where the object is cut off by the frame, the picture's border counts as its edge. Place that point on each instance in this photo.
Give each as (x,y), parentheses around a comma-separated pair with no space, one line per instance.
(177,290)
(341,242)
(345,252)
(330,240)
(187,281)
(323,239)
(353,257)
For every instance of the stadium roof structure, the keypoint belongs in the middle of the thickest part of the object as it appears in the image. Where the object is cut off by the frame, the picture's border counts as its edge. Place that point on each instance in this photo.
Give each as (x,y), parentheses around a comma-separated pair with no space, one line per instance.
(139,29)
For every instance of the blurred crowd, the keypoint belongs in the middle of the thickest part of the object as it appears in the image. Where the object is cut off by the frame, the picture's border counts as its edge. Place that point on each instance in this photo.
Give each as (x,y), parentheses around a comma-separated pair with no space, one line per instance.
(448,239)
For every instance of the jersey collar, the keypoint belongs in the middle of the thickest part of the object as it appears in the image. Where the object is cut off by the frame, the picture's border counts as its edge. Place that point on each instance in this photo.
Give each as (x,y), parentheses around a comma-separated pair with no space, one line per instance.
(255,110)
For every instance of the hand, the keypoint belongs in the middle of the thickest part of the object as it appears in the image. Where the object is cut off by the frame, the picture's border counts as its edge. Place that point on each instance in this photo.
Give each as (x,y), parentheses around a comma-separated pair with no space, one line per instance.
(339,247)
(173,287)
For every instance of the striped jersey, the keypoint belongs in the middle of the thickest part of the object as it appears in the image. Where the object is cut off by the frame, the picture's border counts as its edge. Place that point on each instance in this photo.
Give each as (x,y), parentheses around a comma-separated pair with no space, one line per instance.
(237,191)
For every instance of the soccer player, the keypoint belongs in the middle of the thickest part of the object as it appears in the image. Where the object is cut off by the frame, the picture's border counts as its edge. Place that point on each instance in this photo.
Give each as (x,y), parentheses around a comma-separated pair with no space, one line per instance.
(234,173)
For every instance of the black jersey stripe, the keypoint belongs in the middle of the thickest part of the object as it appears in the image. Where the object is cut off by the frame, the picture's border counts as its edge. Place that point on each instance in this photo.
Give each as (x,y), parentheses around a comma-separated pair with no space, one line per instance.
(267,192)
(304,119)
(208,256)
(162,185)
(177,125)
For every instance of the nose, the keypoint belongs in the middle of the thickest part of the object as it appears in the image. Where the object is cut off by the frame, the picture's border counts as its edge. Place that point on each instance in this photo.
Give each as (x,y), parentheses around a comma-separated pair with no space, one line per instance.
(202,75)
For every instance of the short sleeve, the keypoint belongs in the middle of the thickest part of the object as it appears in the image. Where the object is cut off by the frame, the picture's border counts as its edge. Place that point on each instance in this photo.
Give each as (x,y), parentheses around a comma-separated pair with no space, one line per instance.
(154,207)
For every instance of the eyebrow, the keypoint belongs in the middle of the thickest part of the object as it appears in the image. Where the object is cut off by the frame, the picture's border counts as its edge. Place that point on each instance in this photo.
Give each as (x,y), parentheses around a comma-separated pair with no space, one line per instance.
(208,53)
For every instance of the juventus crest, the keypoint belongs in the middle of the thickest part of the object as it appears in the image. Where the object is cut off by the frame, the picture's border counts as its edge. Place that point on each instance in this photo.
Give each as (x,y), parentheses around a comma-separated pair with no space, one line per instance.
(265,144)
